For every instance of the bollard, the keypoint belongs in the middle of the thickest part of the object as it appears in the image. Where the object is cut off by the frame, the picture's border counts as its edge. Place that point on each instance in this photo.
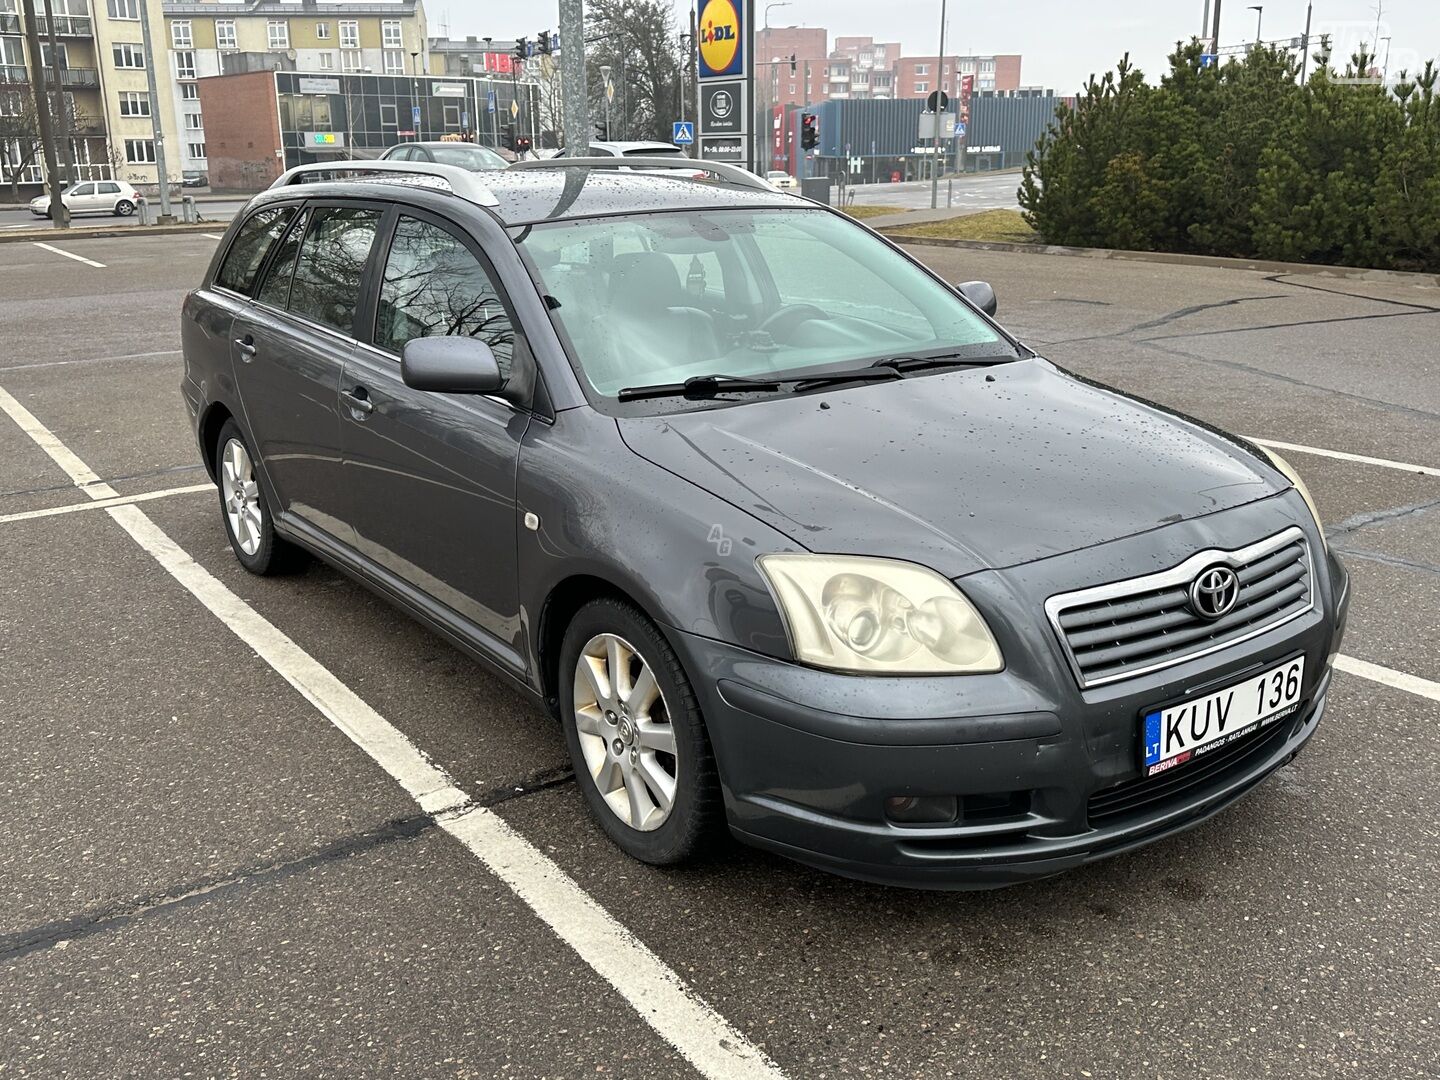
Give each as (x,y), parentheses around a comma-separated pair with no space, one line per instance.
(146,217)
(187,210)
(949,193)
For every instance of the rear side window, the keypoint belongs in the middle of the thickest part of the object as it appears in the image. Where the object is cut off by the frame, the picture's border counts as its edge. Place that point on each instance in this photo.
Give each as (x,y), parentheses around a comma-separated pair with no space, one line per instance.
(109,189)
(276,290)
(254,240)
(434,286)
(332,258)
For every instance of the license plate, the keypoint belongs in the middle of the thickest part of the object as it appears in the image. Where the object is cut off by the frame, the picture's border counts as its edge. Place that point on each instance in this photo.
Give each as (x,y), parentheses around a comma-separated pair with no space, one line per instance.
(1180,733)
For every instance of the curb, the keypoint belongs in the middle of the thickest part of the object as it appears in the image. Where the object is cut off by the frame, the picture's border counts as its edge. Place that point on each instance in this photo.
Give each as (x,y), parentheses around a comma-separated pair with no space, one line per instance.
(21,236)
(1350,273)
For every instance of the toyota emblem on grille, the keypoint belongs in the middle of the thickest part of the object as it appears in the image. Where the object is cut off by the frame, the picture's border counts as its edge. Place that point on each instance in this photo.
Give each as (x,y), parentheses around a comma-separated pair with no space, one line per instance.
(1214,592)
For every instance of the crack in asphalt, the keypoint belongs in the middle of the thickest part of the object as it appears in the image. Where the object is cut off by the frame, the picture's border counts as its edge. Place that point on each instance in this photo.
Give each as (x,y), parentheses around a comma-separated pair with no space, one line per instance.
(1236,365)
(1387,560)
(1303,322)
(1356,522)
(166,471)
(117,915)
(1279,279)
(1167,318)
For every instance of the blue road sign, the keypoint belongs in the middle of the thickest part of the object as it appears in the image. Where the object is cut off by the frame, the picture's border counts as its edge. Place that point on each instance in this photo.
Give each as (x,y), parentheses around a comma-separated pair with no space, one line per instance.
(1207,59)
(959,129)
(490,101)
(684,133)
(415,114)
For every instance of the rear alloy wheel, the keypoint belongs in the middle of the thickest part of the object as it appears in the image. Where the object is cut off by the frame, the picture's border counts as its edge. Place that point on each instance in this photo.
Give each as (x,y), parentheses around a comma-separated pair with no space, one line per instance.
(635,733)
(124,208)
(247,520)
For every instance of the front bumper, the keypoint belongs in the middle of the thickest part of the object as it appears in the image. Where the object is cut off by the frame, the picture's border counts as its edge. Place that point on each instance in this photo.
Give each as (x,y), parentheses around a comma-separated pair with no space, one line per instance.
(1046,776)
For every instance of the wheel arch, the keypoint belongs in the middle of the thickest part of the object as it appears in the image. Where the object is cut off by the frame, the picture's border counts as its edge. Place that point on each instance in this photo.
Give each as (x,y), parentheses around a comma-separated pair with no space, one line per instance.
(211,422)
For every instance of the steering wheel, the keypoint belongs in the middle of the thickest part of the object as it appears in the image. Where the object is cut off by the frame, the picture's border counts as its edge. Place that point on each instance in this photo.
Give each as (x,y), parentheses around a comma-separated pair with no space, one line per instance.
(785,321)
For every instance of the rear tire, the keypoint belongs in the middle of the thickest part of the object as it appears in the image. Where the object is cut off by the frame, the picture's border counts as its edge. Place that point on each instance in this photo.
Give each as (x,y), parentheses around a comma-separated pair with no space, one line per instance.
(636,735)
(243,509)
(124,208)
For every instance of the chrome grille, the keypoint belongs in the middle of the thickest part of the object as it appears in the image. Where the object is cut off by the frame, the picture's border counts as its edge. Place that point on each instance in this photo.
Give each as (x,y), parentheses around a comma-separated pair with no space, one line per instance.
(1127,628)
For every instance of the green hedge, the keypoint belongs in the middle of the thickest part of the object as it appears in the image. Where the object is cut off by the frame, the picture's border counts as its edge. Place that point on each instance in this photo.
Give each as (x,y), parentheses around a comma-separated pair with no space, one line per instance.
(1240,159)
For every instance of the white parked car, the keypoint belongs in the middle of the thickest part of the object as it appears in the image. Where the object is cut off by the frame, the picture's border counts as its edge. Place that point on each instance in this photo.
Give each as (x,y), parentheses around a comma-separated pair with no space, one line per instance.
(630,149)
(782,180)
(92,197)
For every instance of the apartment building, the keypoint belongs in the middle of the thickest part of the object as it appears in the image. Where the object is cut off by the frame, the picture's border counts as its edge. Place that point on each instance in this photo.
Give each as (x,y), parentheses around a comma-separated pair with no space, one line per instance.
(861,67)
(213,37)
(919,76)
(101,54)
(775,83)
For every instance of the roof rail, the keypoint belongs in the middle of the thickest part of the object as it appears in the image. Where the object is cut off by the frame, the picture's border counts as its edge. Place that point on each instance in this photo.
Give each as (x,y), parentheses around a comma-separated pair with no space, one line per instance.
(462,182)
(723,171)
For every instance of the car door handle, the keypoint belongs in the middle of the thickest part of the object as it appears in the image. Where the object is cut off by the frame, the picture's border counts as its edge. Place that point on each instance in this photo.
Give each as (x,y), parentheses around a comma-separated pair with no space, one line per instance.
(358,400)
(246,345)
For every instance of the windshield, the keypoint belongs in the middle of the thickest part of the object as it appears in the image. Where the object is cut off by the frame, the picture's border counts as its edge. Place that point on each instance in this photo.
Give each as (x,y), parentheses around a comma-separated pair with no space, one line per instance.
(474,158)
(658,298)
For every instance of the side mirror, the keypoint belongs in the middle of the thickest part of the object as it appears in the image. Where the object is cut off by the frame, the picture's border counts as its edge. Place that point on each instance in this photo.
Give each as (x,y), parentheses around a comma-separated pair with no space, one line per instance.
(450,365)
(980,294)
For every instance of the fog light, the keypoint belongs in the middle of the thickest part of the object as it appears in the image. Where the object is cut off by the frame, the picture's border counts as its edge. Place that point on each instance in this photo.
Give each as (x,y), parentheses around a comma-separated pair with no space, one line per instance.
(920,809)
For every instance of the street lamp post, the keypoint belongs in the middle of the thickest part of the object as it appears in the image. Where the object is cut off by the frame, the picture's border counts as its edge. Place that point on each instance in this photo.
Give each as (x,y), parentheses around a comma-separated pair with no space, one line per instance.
(1385,67)
(940,84)
(1259,10)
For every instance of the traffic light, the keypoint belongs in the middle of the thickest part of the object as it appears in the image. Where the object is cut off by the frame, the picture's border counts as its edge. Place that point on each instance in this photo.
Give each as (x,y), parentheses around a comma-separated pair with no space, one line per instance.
(522,144)
(544,46)
(522,49)
(602,131)
(507,137)
(809,131)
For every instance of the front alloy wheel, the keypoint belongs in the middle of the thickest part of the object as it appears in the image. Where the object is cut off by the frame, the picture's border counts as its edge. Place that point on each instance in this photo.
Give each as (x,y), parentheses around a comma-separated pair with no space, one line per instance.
(625,733)
(635,734)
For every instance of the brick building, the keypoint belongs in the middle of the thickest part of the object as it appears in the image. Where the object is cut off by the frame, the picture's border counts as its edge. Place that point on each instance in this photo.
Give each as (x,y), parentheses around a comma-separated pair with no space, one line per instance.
(918,76)
(775,83)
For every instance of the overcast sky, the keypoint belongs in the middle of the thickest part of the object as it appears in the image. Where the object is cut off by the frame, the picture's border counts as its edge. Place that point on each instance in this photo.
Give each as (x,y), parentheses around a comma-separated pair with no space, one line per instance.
(1062,41)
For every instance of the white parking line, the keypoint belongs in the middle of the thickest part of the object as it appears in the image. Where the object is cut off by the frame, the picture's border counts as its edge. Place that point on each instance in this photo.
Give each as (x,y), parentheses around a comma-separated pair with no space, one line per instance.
(662,999)
(69,255)
(1340,455)
(213,236)
(1400,680)
(101,504)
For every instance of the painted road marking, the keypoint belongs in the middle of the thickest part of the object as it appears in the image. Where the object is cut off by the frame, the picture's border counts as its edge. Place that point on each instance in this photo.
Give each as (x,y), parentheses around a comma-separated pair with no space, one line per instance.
(101,504)
(1400,680)
(69,255)
(1340,455)
(663,1000)
(213,236)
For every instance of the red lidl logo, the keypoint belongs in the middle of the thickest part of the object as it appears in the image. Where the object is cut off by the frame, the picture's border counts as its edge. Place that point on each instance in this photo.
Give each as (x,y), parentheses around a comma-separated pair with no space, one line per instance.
(720,52)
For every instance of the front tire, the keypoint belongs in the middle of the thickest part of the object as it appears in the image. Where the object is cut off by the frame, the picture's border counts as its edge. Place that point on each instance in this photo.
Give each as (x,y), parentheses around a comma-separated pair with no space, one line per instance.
(242,507)
(636,736)
(124,208)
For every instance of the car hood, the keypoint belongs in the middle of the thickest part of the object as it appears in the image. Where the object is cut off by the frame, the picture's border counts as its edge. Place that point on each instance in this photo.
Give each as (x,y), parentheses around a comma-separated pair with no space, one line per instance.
(959,471)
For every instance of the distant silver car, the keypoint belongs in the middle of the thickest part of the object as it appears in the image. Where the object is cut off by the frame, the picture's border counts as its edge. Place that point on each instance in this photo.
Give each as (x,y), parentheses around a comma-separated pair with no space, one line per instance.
(470,156)
(92,197)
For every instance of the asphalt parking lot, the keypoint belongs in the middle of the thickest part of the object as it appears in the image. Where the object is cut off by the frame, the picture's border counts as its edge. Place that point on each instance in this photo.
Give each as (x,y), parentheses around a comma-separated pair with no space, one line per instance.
(219,858)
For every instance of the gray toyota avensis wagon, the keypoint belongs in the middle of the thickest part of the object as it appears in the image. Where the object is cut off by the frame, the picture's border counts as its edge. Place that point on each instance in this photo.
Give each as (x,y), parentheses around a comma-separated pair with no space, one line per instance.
(780,526)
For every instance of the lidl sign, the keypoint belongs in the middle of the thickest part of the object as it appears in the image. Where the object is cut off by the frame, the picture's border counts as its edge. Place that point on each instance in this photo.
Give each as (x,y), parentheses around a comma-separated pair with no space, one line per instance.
(721,31)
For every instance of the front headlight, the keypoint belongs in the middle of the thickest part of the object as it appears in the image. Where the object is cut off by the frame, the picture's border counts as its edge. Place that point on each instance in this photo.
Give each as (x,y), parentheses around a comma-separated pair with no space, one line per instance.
(852,613)
(1294,478)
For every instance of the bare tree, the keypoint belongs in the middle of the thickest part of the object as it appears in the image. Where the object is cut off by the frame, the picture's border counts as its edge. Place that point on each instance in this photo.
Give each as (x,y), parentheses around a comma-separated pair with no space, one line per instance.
(20,133)
(639,41)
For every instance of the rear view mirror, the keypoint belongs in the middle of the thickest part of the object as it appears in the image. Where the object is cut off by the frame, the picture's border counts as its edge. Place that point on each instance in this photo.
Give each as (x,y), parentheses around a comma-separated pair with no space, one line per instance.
(980,294)
(450,365)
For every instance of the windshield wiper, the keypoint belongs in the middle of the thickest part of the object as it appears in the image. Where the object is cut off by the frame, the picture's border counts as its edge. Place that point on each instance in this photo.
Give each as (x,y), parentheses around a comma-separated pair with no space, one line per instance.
(955,359)
(704,386)
(700,386)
